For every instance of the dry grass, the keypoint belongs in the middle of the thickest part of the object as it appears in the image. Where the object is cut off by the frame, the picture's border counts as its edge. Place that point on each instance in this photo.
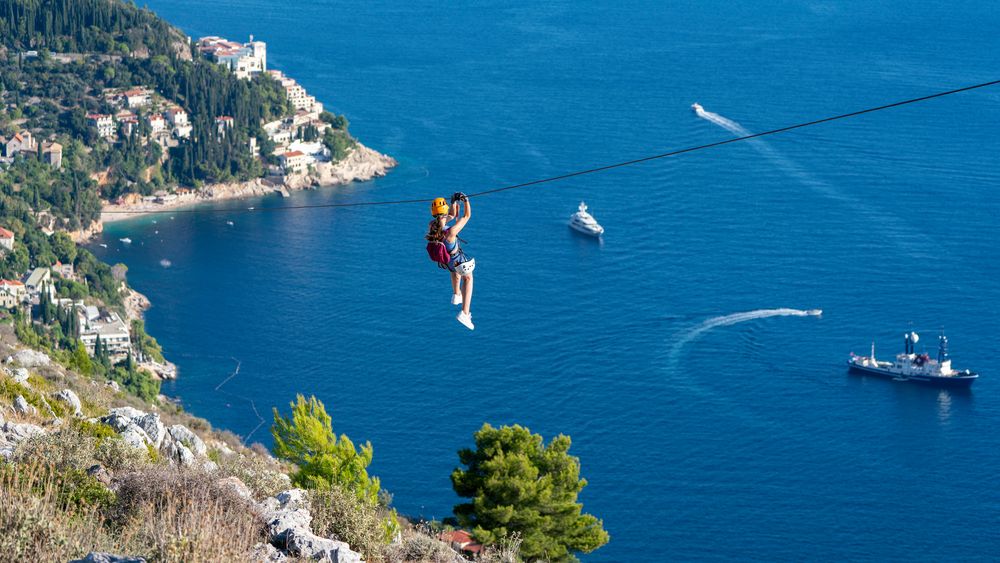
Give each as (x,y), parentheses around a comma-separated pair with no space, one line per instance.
(182,516)
(260,474)
(418,545)
(40,519)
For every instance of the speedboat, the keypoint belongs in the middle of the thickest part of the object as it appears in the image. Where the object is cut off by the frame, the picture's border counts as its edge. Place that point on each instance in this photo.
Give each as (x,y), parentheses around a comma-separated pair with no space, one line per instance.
(230,223)
(585,223)
(126,240)
(696,107)
(814,312)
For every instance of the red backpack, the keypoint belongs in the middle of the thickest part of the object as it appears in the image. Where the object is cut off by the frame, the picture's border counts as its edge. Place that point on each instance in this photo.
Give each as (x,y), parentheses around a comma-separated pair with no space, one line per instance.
(438,253)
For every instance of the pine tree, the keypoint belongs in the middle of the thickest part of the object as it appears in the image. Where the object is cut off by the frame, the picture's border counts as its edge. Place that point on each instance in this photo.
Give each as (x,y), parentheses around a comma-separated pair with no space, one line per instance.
(306,438)
(520,485)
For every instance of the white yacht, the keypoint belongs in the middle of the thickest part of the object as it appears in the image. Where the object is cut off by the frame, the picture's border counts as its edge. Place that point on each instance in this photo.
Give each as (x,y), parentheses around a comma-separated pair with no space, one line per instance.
(696,107)
(585,223)
(126,240)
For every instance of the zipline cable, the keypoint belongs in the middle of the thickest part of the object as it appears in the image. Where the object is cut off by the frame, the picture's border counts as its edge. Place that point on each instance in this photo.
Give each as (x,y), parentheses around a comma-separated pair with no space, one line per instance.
(578,172)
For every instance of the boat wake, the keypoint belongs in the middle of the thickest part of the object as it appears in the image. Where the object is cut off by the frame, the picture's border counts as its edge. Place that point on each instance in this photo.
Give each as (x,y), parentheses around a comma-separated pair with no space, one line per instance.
(901,233)
(735,318)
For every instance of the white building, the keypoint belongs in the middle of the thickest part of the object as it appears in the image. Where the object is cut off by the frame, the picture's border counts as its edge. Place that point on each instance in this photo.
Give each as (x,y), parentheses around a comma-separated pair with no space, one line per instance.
(294,161)
(244,59)
(38,281)
(296,93)
(21,142)
(157,124)
(176,116)
(223,123)
(13,287)
(104,124)
(112,330)
(6,239)
(136,97)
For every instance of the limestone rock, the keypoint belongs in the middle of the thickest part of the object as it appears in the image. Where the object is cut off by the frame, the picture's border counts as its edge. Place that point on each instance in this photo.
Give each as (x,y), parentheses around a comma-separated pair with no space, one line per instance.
(99,557)
(307,545)
(31,358)
(135,436)
(185,436)
(266,553)
(127,412)
(11,434)
(153,428)
(179,454)
(120,418)
(113,385)
(69,397)
(21,406)
(21,376)
(293,498)
(236,485)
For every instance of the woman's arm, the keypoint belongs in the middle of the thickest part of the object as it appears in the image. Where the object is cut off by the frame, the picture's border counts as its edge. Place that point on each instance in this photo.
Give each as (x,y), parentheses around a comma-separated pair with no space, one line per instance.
(460,224)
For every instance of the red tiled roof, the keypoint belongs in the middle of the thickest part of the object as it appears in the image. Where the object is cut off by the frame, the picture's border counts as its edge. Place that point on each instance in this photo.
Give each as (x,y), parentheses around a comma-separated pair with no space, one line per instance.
(4,233)
(291,154)
(456,536)
(10,282)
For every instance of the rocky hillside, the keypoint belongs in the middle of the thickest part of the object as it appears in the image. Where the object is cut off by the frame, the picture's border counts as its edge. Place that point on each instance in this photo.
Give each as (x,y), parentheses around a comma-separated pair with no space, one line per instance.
(91,473)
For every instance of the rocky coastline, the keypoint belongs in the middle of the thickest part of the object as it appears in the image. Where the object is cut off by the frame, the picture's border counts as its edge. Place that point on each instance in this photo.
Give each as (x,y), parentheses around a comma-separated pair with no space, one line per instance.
(361,164)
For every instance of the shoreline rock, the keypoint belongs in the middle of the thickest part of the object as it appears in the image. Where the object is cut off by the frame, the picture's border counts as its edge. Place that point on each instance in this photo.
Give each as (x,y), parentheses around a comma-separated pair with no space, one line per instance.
(362,164)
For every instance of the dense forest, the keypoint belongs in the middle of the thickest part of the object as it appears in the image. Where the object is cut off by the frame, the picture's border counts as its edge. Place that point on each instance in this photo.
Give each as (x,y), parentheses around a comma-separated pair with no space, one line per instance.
(114,44)
(90,26)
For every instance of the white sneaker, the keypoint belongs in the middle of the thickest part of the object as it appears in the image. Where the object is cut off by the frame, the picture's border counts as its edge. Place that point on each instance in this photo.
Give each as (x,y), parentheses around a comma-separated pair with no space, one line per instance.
(466,320)
(456,299)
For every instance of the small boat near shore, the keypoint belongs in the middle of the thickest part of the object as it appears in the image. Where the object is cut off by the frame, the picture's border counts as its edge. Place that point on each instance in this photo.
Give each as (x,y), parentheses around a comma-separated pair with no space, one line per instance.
(585,223)
(918,368)
(126,240)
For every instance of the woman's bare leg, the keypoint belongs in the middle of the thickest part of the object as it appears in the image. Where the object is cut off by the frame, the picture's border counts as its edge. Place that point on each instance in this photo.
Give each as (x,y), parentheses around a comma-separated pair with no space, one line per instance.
(466,293)
(456,283)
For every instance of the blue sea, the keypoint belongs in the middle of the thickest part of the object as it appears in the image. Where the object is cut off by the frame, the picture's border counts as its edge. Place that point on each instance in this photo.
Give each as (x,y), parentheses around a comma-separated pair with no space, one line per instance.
(702,436)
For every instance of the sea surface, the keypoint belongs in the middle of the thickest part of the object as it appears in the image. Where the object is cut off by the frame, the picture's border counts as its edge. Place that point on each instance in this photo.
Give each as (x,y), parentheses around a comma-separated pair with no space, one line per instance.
(702,436)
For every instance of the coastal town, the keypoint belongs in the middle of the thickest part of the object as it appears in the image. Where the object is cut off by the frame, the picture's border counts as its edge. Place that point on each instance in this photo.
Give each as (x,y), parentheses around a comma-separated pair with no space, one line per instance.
(100,329)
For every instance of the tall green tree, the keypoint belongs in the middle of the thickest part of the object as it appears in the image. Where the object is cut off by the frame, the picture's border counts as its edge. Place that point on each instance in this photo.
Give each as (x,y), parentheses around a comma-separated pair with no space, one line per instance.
(517,483)
(306,438)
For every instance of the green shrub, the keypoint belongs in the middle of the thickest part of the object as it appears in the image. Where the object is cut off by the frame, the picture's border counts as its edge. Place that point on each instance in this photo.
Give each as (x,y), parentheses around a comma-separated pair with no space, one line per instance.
(116,455)
(9,390)
(64,449)
(97,430)
(81,490)
(257,473)
(338,513)
(136,382)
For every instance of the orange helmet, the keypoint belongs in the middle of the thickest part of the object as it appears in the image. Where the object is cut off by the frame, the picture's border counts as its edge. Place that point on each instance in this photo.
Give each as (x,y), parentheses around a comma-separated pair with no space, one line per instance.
(439,206)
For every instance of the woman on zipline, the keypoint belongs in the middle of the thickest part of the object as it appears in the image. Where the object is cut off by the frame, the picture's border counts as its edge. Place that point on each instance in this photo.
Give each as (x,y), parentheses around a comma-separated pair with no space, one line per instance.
(460,265)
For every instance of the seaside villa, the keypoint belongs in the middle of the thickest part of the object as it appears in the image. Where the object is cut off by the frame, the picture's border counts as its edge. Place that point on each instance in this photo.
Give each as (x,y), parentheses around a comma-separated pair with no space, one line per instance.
(294,161)
(244,59)
(112,330)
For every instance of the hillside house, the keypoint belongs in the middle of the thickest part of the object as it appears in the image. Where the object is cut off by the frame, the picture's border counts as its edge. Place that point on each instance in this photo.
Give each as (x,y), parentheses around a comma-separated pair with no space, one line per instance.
(6,239)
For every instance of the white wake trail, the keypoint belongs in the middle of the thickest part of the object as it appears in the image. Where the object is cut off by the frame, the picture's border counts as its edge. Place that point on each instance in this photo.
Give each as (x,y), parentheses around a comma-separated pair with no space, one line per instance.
(895,228)
(732,319)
